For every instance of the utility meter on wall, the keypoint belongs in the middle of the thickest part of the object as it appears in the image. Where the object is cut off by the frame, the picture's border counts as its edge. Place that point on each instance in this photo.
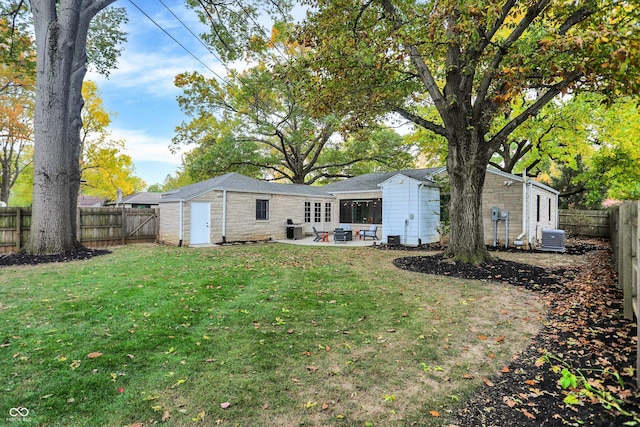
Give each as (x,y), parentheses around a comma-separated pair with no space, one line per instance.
(495,214)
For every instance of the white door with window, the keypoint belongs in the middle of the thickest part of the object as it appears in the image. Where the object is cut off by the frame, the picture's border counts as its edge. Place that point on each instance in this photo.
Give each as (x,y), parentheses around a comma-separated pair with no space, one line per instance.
(200,218)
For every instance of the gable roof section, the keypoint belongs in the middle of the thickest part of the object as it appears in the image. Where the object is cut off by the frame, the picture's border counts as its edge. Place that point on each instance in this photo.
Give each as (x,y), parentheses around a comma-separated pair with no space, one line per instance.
(371,181)
(401,176)
(507,175)
(236,182)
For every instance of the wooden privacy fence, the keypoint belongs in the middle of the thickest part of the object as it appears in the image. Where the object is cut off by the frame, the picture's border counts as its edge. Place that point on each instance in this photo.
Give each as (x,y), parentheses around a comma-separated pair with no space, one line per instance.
(624,226)
(590,223)
(95,226)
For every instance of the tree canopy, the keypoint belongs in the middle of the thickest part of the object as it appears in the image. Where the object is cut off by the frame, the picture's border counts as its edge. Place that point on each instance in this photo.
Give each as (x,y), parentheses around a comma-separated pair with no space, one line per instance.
(254,123)
(17,85)
(469,60)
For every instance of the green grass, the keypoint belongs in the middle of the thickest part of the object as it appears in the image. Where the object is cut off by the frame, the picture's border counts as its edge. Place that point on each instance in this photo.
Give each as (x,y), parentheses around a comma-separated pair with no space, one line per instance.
(288,335)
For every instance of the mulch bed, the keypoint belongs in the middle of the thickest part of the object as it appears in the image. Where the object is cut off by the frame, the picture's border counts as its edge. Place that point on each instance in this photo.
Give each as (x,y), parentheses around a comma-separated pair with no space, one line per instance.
(13,259)
(584,332)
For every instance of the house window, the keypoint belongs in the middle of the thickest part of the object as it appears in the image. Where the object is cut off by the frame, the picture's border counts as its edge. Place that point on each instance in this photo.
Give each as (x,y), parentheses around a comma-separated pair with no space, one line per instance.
(262,209)
(307,211)
(367,211)
(538,208)
(549,210)
(317,212)
(327,212)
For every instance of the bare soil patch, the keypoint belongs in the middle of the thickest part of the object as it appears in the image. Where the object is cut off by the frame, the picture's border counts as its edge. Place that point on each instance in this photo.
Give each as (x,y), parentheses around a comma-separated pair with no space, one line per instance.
(584,333)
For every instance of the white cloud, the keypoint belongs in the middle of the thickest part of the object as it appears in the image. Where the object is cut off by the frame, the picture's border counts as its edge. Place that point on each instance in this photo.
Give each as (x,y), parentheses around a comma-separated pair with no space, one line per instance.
(142,146)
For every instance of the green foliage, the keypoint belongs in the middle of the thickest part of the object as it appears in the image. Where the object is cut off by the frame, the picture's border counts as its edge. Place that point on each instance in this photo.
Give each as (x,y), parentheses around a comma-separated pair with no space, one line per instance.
(17,83)
(242,29)
(606,166)
(106,38)
(256,125)
(586,384)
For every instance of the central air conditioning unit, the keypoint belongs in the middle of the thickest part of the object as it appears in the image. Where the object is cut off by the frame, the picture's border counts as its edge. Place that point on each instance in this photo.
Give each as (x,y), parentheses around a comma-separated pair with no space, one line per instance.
(553,240)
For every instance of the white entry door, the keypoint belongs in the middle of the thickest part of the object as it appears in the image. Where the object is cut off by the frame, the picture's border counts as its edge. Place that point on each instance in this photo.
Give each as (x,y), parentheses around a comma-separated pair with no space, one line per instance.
(199,229)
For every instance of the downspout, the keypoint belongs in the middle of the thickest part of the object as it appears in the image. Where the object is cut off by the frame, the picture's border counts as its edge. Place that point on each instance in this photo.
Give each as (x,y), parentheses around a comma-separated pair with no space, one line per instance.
(529,237)
(420,187)
(180,222)
(518,240)
(557,213)
(224,216)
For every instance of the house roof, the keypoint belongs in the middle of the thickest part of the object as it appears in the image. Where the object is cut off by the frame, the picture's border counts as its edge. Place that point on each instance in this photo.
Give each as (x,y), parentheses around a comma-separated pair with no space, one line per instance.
(89,201)
(236,182)
(144,198)
(509,176)
(371,181)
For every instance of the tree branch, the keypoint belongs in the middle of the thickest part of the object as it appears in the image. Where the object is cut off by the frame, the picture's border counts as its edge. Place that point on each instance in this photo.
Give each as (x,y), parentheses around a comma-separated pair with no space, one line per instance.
(489,74)
(433,127)
(534,108)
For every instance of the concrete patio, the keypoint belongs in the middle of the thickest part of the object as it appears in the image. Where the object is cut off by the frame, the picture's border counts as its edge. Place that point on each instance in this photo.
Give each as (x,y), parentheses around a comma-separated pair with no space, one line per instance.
(309,241)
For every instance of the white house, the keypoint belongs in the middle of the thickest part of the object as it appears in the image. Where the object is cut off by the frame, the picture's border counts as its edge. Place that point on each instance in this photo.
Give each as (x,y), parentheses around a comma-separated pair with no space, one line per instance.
(406,204)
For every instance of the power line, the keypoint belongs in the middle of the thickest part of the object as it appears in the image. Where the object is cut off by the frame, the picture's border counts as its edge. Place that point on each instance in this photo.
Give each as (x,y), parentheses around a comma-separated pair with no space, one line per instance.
(177,42)
(192,33)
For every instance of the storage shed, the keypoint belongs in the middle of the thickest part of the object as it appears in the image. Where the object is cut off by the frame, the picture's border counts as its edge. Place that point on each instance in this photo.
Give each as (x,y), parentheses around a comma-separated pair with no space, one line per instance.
(411,210)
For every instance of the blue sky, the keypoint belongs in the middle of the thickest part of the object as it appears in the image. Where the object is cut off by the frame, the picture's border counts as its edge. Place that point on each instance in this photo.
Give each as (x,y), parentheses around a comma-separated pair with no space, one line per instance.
(141,92)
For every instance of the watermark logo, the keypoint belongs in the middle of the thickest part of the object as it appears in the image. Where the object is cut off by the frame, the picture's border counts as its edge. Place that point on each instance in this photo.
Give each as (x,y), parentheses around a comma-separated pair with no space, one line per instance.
(18,415)
(19,412)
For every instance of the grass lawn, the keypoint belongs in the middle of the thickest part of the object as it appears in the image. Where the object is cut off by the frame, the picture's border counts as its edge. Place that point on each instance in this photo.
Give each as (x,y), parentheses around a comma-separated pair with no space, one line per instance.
(282,335)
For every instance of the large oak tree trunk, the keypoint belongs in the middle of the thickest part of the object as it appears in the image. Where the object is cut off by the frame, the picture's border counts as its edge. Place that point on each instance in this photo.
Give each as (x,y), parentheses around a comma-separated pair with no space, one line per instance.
(61,34)
(466,241)
(466,167)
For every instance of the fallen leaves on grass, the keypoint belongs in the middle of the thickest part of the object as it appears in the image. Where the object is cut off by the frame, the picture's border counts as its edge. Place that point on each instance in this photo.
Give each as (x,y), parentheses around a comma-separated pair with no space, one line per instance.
(584,329)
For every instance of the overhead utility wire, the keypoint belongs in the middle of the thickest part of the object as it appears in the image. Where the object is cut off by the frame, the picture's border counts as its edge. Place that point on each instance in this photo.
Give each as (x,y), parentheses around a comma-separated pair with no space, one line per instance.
(242,82)
(177,42)
(192,33)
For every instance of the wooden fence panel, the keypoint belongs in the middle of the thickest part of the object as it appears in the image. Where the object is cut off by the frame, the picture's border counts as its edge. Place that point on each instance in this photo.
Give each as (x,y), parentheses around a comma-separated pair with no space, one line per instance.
(591,223)
(625,240)
(96,226)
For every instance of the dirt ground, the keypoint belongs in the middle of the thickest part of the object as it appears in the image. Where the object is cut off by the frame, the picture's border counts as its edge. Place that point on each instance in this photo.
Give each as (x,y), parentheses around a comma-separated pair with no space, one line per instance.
(584,334)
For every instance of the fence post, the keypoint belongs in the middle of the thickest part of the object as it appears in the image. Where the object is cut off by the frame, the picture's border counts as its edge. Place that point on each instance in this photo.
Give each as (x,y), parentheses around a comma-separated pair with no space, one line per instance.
(123,232)
(626,266)
(157,225)
(79,224)
(18,229)
(636,273)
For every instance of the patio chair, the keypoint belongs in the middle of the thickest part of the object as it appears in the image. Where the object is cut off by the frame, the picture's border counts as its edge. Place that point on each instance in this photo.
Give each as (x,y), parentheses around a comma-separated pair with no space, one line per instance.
(371,232)
(318,235)
(339,235)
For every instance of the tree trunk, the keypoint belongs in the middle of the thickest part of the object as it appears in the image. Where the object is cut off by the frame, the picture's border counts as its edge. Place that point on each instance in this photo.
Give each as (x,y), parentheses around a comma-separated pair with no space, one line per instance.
(466,167)
(60,30)
(5,184)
